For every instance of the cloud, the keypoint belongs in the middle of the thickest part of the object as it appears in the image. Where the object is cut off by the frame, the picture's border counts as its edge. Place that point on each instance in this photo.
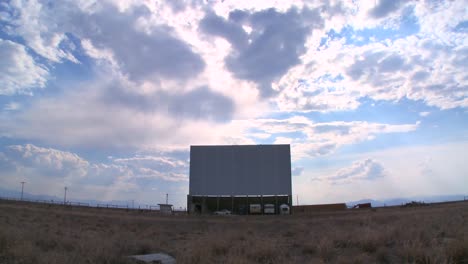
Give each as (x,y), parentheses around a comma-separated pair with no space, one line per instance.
(425,66)
(47,168)
(46,161)
(12,106)
(424,114)
(307,75)
(297,171)
(38,27)
(167,167)
(385,7)
(150,174)
(341,76)
(142,53)
(425,167)
(367,169)
(19,73)
(272,46)
(152,160)
(111,115)
(374,64)
(89,123)
(199,103)
(311,139)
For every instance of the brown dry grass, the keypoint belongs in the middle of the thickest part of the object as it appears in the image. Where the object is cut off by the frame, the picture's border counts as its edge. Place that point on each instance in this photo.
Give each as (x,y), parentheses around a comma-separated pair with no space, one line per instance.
(33,233)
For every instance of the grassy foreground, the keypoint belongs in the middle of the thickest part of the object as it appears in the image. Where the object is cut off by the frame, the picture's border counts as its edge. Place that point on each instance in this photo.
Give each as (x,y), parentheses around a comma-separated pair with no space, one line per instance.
(35,233)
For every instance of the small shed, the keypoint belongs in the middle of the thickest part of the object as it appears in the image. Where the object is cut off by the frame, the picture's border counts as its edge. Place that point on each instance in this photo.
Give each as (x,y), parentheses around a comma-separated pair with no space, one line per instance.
(165,208)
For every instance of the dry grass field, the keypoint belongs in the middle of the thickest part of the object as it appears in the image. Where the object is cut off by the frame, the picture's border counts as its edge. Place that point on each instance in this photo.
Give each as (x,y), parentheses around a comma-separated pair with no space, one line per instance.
(35,233)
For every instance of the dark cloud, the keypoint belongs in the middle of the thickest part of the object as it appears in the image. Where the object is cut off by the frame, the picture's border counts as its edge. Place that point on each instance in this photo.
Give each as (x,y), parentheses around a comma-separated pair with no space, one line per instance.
(141,55)
(392,63)
(176,5)
(200,103)
(271,49)
(385,7)
(230,30)
(420,76)
(335,9)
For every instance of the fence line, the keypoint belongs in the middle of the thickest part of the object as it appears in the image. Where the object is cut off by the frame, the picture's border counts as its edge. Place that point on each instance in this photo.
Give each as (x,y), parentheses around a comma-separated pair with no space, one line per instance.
(98,205)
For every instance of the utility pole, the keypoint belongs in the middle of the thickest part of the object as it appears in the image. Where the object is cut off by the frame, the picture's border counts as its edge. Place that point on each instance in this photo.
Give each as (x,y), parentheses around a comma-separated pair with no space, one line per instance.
(167,198)
(65,196)
(297,199)
(22,188)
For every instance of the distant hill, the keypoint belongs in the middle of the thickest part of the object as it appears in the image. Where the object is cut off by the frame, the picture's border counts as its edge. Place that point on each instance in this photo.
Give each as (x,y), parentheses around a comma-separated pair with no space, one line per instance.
(401,201)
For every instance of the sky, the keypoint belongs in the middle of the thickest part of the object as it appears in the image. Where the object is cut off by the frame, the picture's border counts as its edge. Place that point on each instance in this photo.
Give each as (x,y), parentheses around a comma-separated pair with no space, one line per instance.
(106,97)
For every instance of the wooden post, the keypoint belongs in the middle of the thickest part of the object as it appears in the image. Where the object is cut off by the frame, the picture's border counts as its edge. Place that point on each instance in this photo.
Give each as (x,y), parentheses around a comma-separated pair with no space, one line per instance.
(261,202)
(276,205)
(232,204)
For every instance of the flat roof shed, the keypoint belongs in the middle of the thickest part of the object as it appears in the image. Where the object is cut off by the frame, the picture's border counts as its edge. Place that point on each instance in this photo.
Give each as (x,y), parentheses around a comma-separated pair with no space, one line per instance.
(165,208)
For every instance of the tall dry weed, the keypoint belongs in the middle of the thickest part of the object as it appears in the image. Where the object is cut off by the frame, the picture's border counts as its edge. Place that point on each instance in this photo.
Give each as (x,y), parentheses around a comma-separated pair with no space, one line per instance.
(52,234)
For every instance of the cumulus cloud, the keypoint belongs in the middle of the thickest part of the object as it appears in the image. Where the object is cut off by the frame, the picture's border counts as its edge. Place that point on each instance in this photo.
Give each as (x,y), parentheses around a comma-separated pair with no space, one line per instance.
(311,139)
(19,73)
(41,167)
(367,169)
(169,168)
(166,44)
(144,97)
(385,7)
(271,32)
(46,161)
(142,54)
(38,26)
(337,74)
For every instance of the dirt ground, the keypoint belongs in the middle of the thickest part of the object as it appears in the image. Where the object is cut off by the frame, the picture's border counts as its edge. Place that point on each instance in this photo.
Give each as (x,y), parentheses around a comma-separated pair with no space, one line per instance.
(38,233)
